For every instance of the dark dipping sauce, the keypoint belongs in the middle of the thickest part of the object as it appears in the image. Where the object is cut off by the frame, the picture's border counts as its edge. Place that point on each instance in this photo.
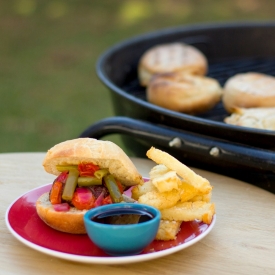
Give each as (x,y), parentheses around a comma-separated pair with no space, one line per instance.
(123,216)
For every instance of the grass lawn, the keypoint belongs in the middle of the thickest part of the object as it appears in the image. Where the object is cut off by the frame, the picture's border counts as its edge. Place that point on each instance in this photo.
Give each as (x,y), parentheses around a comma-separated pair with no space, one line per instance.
(49,91)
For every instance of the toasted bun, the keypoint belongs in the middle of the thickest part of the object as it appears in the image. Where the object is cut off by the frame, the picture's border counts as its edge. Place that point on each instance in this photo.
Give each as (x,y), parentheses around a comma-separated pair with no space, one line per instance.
(70,221)
(249,90)
(105,154)
(171,58)
(183,92)
(260,118)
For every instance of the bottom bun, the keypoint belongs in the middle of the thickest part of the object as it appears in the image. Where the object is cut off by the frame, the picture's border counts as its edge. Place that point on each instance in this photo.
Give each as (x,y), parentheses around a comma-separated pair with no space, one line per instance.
(66,221)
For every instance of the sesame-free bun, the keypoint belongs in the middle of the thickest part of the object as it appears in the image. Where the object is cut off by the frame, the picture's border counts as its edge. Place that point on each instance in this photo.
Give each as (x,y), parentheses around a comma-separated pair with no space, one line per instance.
(249,90)
(105,154)
(171,57)
(66,221)
(183,92)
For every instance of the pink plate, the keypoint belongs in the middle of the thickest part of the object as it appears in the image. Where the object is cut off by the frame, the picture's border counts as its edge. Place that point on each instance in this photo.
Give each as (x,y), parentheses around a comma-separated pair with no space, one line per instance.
(25,225)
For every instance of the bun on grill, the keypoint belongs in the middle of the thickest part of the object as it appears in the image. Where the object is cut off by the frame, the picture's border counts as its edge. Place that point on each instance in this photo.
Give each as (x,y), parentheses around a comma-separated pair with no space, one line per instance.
(173,57)
(183,92)
(249,90)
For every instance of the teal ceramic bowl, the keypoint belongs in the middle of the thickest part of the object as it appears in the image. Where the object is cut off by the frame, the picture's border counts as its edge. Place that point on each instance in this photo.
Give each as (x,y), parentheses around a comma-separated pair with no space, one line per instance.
(122,239)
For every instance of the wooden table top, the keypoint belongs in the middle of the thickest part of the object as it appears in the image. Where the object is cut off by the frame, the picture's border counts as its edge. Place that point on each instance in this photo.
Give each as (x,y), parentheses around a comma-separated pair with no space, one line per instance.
(242,241)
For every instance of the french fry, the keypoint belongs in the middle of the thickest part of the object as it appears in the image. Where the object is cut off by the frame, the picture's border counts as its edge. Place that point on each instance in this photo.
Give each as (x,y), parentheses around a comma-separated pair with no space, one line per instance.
(167,182)
(177,191)
(168,230)
(158,170)
(183,171)
(187,191)
(142,189)
(160,200)
(202,197)
(189,211)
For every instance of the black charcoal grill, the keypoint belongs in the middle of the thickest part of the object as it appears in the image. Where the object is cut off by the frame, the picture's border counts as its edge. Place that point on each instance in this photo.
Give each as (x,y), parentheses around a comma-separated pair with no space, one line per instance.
(203,141)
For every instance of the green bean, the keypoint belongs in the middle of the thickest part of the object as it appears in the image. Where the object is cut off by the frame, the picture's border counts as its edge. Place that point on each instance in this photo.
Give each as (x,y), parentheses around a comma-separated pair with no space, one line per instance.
(87,181)
(70,185)
(63,168)
(101,173)
(113,188)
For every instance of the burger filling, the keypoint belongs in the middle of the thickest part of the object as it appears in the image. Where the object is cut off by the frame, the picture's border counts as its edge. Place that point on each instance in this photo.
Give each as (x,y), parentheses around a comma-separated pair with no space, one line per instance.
(84,186)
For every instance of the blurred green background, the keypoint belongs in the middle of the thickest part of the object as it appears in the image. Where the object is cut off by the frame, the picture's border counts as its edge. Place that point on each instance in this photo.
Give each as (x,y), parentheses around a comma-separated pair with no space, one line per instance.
(48,51)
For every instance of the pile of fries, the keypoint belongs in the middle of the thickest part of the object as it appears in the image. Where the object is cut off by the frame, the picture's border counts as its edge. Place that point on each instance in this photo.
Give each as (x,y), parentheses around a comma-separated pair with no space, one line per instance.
(177,191)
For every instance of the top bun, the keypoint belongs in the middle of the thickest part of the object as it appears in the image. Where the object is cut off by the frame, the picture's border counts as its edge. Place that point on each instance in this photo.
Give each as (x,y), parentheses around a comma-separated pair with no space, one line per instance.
(171,57)
(105,154)
(249,90)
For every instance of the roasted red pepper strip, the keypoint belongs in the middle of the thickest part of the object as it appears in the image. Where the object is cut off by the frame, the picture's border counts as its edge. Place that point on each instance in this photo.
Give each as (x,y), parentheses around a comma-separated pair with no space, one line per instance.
(56,192)
(87,169)
(107,200)
(120,186)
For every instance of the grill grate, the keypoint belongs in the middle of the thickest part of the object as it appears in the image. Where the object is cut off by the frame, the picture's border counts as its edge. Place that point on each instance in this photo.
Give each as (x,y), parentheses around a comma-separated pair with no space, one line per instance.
(220,70)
